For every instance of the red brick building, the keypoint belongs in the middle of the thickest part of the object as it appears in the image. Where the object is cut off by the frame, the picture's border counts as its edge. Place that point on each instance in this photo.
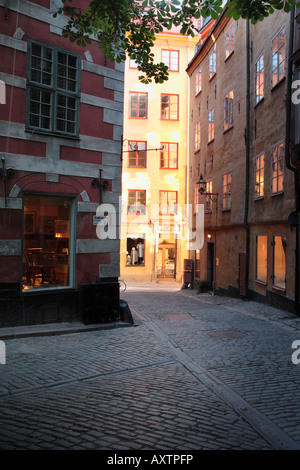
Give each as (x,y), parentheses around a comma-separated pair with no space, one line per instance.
(60,135)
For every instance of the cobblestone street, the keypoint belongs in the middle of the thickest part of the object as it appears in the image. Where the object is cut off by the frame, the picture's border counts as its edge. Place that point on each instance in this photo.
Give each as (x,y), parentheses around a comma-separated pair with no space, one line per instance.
(195,372)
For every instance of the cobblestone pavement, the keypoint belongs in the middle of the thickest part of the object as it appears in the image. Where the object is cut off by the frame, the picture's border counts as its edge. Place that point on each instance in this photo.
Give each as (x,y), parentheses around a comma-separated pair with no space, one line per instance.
(195,372)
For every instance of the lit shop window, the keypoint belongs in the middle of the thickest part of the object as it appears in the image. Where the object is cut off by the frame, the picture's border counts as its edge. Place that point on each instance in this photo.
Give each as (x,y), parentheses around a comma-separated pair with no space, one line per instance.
(48,242)
(279,262)
(261,258)
(135,250)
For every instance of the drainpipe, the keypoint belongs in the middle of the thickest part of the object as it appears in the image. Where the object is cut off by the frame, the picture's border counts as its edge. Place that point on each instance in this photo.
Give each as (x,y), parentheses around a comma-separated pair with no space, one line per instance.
(288,161)
(246,226)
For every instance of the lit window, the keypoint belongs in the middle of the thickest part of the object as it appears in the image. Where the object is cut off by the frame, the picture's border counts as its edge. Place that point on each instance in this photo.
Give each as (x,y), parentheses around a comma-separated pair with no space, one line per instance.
(259,79)
(168,202)
(259,176)
(53,90)
(197,136)
(135,250)
(261,258)
(277,168)
(208,201)
(137,154)
(297,110)
(211,125)
(136,201)
(169,107)
(278,57)
(279,262)
(198,81)
(169,155)
(229,41)
(48,247)
(228,110)
(171,59)
(226,203)
(212,63)
(138,105)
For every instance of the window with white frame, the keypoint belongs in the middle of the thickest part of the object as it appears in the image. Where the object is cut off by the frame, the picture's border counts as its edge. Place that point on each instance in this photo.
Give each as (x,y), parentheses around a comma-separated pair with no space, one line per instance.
(211,125)
(277,168)
(198,81)
(259,79)
(228,110)
(278,56)
(229,41)
(259,176)
(212,63)
(171,59)
(197,136)
(226,201)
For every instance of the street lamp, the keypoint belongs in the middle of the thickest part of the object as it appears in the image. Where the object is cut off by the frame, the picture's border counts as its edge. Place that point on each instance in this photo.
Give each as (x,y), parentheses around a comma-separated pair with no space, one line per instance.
(202,190)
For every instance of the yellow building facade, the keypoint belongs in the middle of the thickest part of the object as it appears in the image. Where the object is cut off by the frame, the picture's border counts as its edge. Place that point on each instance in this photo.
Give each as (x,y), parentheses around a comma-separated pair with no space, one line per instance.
(155,154)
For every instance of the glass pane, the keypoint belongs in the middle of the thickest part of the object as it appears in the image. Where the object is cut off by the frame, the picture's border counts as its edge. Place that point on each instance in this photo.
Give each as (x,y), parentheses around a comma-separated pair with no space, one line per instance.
(279,262)
(47,247)
(261,258)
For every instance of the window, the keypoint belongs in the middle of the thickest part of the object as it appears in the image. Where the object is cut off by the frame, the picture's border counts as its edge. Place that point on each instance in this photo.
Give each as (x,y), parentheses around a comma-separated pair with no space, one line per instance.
(136,201)
(53,90)
(208,200)
(228,110)
(259,79)
(197,136)
(278,57)
(137,154)
(171,59)
(279,262)
(226,205)
(133,64)
(211,125)
(135,250)
(261,258)
(169,107)
(198,81)
(168,202)
(48,246)
(212,63)
(229,41)
(259,176)
(277,168)
(169,155)
(138,103)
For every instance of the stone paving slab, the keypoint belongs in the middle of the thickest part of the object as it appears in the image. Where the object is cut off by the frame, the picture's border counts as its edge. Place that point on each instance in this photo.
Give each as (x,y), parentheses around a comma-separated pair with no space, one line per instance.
(195,372)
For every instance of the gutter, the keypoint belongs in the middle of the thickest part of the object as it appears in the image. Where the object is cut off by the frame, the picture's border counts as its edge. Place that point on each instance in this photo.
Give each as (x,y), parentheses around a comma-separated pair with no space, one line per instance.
(288,158)
(246,226)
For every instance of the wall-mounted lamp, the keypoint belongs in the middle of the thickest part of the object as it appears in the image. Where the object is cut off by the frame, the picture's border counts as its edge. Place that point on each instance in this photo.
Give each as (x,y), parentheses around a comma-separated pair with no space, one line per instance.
(202,188)
(101,184)
(5,174)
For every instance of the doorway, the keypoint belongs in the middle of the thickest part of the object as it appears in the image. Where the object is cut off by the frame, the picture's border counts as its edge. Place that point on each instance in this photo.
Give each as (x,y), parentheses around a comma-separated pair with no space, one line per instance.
(210,263)
(166,260)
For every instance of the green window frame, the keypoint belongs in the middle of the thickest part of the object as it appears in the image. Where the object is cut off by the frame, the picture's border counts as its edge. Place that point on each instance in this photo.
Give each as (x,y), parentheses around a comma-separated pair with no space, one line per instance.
(53,90)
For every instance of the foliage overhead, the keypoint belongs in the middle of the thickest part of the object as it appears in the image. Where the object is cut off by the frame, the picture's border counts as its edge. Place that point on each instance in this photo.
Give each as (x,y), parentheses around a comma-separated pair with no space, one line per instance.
(130,26)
